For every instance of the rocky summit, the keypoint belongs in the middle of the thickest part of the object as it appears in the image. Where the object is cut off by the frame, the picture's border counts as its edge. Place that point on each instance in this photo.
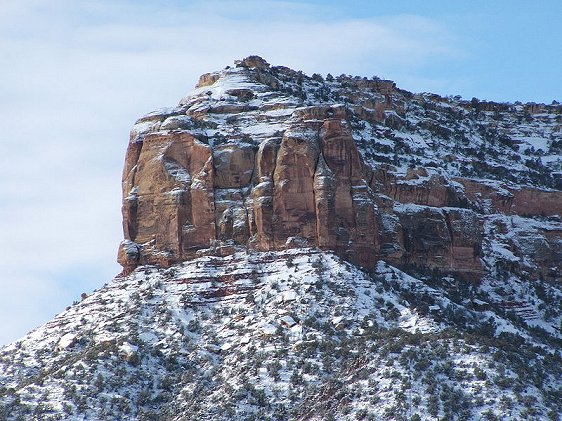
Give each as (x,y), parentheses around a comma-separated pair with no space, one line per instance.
(318,248)
(266,158)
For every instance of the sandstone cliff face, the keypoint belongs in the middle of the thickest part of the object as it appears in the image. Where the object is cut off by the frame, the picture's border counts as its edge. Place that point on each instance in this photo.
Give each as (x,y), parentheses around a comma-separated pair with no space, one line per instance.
(266,158)
(184,198)
(445,239)
(495,198)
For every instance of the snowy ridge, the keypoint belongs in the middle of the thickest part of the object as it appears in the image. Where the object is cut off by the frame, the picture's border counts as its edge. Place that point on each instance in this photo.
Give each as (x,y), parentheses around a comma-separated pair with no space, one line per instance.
(518,144)
(271,335)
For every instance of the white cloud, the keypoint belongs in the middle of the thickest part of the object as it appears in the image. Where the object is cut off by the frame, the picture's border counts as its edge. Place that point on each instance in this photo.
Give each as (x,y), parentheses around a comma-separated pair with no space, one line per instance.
(75,76)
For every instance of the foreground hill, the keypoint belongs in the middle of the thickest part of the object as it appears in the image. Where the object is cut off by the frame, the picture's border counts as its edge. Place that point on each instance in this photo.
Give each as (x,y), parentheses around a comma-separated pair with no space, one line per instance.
(285,335)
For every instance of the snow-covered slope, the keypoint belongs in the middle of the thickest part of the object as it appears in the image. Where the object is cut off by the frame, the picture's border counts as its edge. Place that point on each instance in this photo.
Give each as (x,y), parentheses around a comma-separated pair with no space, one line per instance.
(286,335)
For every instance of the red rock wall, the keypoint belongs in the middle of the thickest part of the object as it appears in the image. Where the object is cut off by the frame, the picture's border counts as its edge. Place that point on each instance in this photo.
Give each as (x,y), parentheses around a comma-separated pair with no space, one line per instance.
(523,201)
(309,187)
(182,197)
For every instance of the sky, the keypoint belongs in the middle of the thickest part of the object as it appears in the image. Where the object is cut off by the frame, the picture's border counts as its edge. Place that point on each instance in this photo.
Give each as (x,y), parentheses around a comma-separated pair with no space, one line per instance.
(76,74)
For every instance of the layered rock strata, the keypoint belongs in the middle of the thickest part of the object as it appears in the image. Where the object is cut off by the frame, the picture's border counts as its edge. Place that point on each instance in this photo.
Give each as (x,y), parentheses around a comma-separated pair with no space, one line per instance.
(247,160)
(307,188)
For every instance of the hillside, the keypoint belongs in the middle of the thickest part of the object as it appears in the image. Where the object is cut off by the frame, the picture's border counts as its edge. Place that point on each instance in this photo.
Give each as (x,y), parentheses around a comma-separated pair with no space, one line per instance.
(305,247)
(287,335)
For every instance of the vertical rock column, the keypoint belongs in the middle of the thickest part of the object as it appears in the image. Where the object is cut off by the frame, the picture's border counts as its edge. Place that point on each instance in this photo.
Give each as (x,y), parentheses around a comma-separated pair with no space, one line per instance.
(234,168)
(354,222)
(129,208)
(324,196)
(294,207)
(261,224)
(198,229)
(169,206)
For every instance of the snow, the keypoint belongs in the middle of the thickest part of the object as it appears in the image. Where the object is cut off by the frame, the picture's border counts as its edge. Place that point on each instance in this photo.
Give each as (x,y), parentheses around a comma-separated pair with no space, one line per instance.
(297,330)
(269,329)
(176,318)
(287,321)
(128,349)
(148,337)
(226,346)
(287,296)
(534,141)
(178,172)
(130,246)
(66,340)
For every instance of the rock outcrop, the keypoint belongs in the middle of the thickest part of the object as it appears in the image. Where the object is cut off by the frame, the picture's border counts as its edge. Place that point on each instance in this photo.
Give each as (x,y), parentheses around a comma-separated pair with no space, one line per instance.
(242,208)
(307,188)
(267,158)
(523,201)
(447,239)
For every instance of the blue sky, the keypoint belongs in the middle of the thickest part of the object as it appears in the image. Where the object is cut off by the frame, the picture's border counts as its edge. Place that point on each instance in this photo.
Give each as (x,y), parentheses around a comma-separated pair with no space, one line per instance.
(76,74)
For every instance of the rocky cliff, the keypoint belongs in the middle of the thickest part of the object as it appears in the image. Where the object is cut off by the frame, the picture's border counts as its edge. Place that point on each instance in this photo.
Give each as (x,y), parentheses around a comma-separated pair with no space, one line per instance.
(298,248)
(267,158)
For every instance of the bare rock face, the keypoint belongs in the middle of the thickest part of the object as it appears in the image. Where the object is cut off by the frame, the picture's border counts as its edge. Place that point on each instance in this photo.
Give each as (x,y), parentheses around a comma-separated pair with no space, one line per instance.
(294,213)
(495,197)
(443,239)
(354,210)
(420,187)
(183,197)
(250,160)
(172,173)
(234,166)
